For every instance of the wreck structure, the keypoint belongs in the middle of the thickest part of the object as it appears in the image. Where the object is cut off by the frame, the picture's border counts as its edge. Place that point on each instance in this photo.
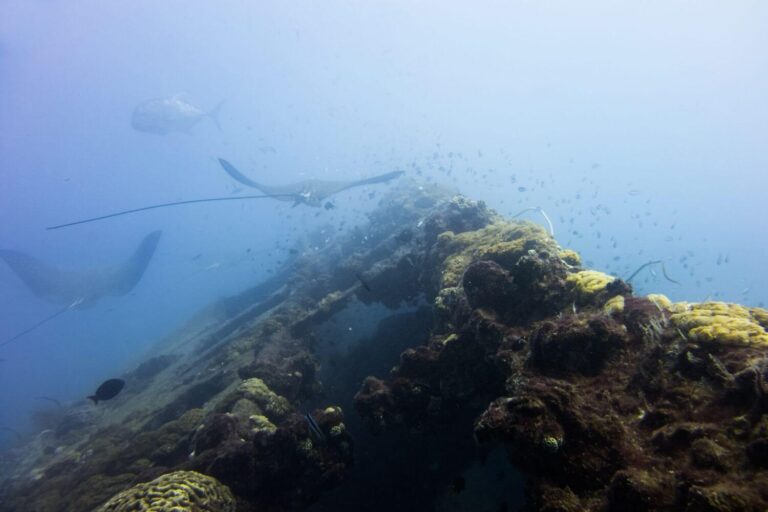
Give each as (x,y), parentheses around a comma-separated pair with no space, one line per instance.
(424,344)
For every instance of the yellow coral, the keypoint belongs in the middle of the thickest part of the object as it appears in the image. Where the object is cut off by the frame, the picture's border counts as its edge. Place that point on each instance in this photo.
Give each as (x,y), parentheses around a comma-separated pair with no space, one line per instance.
(180,490)
(661,300)
(719,322)
(453,268)
(760,315)
(614,305)
(259,423)
(588,283)
(571,257)
(502,241)
(257,391)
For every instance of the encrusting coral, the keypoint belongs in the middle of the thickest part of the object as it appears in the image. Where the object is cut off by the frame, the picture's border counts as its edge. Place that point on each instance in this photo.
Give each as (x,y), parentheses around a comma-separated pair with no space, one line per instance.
(513,270)
(174,492)
(614,305)
(719,322)
(587,284)
(571,257)
(660,300)
(252,397)
(502,242)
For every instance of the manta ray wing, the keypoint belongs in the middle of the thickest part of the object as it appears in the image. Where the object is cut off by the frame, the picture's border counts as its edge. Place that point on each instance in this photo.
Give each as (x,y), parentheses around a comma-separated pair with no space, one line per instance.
(242,178)
(314,192)
(124,278)
(283,193)
(381,178)
(43,280)
(61,287)
(311,192)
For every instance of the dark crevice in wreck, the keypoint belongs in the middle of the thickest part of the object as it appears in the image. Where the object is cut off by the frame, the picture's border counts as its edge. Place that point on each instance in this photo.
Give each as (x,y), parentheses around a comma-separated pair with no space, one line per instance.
(451,360)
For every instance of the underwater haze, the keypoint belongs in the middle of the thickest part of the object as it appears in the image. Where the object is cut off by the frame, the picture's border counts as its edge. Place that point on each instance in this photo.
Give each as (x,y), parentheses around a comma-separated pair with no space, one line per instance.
(640,129)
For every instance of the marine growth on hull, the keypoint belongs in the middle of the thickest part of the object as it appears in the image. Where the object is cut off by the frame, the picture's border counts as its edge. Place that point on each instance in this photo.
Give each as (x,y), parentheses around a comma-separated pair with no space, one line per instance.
(441,351)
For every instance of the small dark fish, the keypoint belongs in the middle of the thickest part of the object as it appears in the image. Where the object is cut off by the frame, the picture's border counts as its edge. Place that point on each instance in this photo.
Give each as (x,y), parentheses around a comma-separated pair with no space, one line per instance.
(293,251)
(109,389)
(197,256)
(329,205)
(521,189)
(362,282)
(314,428)
(458,484)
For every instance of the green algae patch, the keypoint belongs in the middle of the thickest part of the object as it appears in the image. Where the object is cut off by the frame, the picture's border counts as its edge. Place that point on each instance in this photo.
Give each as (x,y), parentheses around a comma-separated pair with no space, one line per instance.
(180,490)
(720,322)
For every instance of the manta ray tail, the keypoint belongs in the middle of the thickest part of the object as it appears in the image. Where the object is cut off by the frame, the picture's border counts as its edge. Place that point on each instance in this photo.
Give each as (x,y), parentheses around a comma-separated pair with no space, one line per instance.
(35,326)
(242,178)
(166,205)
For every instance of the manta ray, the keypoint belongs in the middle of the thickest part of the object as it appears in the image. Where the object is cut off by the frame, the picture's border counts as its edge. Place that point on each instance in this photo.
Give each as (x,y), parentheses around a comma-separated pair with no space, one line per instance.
(78,289)
(309,192)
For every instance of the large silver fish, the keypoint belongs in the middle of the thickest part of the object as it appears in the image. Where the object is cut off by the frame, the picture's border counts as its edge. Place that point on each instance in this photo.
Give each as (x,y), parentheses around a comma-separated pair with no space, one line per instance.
(166,115)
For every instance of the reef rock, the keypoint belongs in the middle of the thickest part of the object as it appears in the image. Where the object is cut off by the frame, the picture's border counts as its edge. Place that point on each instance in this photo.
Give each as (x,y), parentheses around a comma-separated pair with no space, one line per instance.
(471,334)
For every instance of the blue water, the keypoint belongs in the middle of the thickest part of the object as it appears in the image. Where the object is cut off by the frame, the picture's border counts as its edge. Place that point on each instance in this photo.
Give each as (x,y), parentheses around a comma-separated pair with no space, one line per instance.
(639,128)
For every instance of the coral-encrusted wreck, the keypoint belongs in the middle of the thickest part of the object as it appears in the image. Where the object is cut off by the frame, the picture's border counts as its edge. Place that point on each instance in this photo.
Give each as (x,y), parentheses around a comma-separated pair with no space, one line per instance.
(480,333)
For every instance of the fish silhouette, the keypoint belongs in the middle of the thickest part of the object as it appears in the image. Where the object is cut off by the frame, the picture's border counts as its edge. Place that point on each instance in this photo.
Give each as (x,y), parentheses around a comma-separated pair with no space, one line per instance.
(165,115)
(108,390)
